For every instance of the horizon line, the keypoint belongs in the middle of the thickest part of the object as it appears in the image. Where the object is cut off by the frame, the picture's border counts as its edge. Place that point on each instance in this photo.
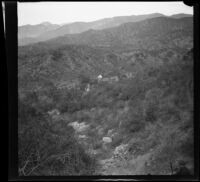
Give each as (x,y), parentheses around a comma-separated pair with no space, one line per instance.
(101,19)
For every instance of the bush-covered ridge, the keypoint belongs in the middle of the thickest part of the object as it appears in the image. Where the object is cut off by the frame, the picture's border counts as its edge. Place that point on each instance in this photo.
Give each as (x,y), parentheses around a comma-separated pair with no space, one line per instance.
(35,33)
(151,113)
(119,109)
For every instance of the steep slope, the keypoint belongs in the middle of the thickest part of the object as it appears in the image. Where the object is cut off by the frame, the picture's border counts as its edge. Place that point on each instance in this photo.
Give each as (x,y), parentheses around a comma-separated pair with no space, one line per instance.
(113,51)
(78,27)
(169,32)
(144,116)
(45,31)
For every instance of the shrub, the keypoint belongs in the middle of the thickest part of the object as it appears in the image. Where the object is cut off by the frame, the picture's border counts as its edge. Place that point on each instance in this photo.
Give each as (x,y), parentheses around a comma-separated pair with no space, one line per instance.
(151,104)
(48,147)
(117,140)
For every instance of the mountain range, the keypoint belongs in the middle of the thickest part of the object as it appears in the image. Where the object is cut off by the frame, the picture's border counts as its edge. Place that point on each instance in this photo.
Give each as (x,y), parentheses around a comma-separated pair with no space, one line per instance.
(28,34)
(143,34)
(110,51)
(122,81)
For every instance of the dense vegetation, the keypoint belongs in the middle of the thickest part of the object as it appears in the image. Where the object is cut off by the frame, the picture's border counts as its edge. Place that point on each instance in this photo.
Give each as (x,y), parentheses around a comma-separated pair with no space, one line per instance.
(47,146)
(150,110)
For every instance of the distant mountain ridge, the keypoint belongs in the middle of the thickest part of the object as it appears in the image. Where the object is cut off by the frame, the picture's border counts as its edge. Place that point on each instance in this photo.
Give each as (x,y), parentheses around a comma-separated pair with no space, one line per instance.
(32,31)
(180,15)
(109,51)
(168,32)
(35,33)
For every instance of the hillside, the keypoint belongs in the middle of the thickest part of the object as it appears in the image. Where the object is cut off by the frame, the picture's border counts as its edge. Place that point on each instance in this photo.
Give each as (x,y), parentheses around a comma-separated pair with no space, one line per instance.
(31,31)
(140,35)
(117,101)
(105,52)
(180,15)
(43,33)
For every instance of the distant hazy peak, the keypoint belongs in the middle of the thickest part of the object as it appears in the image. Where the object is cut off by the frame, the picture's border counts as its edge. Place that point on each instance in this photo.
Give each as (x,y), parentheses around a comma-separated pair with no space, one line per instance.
(180,15)
(46,23)
(46,31)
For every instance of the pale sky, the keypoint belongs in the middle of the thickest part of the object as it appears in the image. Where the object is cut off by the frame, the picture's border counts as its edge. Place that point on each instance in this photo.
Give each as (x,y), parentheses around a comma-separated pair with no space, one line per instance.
(67,12)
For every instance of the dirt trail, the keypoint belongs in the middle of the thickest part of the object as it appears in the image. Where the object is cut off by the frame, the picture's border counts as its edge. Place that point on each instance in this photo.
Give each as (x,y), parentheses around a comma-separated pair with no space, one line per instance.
(114,167)
(107,164)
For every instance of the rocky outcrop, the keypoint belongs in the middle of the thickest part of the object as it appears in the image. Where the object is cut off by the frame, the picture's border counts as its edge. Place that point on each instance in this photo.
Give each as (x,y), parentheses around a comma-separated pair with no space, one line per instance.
(79,127)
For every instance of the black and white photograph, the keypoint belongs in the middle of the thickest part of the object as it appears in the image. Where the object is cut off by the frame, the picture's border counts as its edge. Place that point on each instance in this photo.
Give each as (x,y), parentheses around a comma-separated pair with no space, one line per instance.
(105,88)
